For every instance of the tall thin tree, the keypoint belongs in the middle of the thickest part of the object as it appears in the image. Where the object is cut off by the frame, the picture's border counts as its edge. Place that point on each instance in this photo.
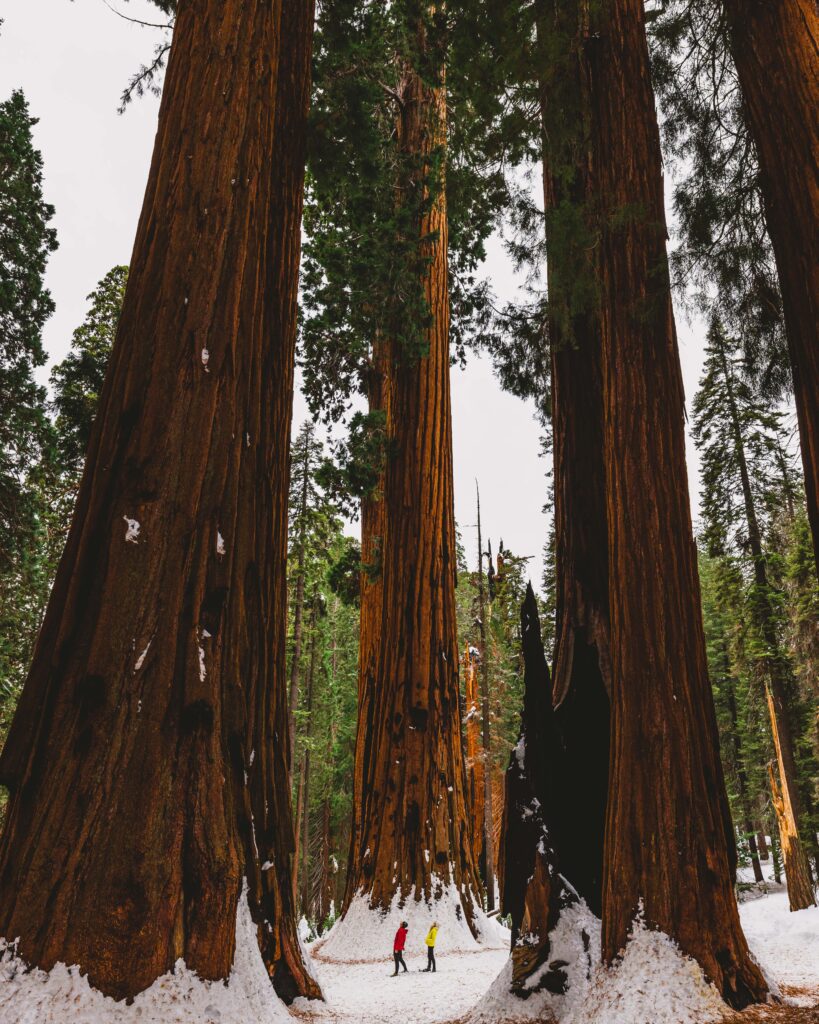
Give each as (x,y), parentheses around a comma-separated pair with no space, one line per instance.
(486,725)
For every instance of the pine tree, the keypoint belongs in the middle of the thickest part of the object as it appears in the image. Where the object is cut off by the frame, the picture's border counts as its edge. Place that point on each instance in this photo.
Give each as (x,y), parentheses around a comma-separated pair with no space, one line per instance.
(53,483)
(742,444)
(307,510)
(77,381)
(26,435)
(737,83)
(160,665)
(25,304)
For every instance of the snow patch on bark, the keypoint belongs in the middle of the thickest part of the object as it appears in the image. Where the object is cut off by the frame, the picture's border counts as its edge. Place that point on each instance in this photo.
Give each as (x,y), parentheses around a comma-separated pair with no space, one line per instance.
(132,528)
(366,934)
(141,659)
(64,996)
(652,983)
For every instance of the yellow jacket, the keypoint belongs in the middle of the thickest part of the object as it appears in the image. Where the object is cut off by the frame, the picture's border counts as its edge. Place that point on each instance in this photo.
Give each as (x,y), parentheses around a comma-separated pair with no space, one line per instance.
(430,939)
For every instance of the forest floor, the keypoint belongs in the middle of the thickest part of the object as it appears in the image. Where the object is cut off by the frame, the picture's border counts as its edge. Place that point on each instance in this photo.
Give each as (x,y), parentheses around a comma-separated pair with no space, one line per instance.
(785,944)
(367,993)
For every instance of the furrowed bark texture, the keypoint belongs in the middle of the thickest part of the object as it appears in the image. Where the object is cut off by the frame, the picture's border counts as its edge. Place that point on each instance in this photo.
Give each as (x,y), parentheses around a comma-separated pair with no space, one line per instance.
(581,663)
(413,784)
(373,529)
(159,677)
(669,840)
(775,47)
(532,890)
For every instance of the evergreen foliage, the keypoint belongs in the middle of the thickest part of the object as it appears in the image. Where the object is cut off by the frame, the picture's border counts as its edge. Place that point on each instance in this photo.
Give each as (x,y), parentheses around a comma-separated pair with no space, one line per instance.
(724,256)
(754,550)
(26,240)
(53,477)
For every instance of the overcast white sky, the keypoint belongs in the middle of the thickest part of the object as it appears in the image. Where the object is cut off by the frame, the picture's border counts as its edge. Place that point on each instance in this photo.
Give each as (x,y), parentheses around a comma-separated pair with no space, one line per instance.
(72,60)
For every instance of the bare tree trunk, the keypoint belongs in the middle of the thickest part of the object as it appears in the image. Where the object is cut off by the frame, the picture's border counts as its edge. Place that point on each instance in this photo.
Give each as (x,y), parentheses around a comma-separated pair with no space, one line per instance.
(775,47)
(474,764)
(311,681)
(742,782)
(298,611)
(159,677)
(762,843)
(667,803)
(486,738)
(797,873)
(776,859)
(297,834)
(414,827)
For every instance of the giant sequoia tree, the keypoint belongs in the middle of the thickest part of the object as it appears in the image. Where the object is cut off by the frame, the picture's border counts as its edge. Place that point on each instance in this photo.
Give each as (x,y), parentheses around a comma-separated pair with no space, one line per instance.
(775,47)
(666,788)
(147,763)
(414,825)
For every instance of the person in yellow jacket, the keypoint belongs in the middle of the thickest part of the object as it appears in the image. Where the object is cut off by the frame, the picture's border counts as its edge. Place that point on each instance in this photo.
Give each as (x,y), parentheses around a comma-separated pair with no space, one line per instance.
(432,935)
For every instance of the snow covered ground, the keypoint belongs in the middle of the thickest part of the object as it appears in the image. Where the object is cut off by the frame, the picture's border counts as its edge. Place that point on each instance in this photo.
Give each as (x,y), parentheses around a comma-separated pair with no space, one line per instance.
(368,994)
(654,985)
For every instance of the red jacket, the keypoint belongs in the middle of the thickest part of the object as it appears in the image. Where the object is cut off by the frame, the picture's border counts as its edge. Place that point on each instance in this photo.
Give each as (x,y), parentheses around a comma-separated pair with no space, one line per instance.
(400,939)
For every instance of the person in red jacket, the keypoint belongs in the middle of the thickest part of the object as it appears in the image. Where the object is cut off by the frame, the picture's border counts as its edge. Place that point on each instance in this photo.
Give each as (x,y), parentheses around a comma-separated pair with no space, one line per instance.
(398,946)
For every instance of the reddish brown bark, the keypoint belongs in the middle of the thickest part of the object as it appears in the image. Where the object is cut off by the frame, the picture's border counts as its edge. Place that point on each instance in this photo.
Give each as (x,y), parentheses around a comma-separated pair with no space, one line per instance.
(581,663)
(775,47)
(373,531)
(413,821)
(159,679)
(669,841)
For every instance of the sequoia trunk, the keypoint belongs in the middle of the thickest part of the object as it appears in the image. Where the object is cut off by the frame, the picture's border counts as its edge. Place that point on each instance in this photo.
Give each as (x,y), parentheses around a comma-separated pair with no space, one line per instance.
(373,532)
(581,666)
(775,47)
(669,839)
(414,828)
(533,890)
(159,677)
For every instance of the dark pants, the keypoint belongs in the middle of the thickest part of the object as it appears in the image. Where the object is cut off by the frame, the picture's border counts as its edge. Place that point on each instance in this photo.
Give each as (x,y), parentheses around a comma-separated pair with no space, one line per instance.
(430,958)
(398,956)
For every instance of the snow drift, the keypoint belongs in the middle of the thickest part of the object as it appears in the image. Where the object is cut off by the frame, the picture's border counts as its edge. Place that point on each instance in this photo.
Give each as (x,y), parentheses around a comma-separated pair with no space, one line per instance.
(652,983)
(64,996)
(366,934)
